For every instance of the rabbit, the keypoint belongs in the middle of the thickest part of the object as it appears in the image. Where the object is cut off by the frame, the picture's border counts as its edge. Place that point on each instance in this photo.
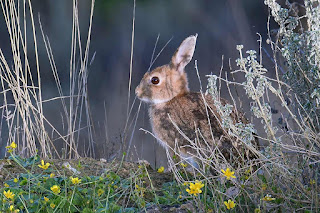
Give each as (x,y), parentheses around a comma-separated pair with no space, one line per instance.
(176,113)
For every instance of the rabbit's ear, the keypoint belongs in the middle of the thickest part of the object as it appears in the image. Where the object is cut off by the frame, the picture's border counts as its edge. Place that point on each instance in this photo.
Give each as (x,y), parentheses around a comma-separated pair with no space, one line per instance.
(184,53)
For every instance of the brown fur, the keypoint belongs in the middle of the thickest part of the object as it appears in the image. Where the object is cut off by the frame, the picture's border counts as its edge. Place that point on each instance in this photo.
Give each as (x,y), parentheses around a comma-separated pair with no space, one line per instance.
(189,111)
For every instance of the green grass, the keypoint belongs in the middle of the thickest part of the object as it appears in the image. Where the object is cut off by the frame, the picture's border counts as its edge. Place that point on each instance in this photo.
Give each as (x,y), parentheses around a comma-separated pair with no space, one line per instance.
(130,187)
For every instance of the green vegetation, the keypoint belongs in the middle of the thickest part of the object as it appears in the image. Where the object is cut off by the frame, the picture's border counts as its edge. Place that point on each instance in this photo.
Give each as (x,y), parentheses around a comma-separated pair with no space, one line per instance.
(284,177)
(31,187)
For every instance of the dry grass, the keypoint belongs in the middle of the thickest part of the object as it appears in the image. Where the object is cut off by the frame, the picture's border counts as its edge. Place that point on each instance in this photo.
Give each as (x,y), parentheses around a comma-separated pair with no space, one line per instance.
(22,98)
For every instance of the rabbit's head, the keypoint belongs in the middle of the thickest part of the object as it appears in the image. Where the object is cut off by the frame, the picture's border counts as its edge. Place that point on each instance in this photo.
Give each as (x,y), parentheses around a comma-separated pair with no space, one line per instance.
(168,81)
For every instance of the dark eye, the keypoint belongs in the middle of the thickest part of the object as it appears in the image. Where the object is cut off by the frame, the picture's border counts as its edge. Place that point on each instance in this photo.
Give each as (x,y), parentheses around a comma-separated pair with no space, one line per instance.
(155,80)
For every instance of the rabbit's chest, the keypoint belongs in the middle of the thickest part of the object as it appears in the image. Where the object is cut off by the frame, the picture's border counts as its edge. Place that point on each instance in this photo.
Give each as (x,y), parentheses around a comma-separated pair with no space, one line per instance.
(185,118)
(164,123)
(172,124)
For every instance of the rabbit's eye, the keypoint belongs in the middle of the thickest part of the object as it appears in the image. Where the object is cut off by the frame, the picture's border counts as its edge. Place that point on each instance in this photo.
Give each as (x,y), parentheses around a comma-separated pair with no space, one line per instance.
(155,80)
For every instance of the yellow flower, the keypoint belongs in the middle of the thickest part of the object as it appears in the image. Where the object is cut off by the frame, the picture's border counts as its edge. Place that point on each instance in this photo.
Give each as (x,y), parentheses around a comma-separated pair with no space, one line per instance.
(52,175)
(184,165)
(195,188)
(228,173)
(44,166)
(268,198)
(6,185)
(46,199)
(8,194)
(140,190)
(15,180)
(52,205)
(75,180)
(13,145)
(312,181)
(229,204)
(55,189)
(11,208)
(161,169)
(100,192)
(31,201)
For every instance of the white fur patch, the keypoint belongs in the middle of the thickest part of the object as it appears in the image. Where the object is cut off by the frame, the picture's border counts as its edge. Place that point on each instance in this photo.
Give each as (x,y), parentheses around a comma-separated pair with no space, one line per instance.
(147,100)
(155,101)
(160,101)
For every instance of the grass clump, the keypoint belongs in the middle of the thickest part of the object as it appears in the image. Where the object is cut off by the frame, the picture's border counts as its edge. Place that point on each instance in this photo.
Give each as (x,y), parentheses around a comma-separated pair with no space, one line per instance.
(49,190)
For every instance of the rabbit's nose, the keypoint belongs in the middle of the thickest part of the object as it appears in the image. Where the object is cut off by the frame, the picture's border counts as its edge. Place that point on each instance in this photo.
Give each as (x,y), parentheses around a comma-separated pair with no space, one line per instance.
(138,90)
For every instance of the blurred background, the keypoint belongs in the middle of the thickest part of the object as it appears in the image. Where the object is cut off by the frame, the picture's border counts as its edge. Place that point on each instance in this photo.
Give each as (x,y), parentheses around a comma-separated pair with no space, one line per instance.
(221,25)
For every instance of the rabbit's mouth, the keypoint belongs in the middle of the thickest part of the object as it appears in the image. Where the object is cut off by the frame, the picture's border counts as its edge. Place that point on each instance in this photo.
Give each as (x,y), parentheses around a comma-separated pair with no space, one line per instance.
(140,93)
(143,93)
(147,100)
